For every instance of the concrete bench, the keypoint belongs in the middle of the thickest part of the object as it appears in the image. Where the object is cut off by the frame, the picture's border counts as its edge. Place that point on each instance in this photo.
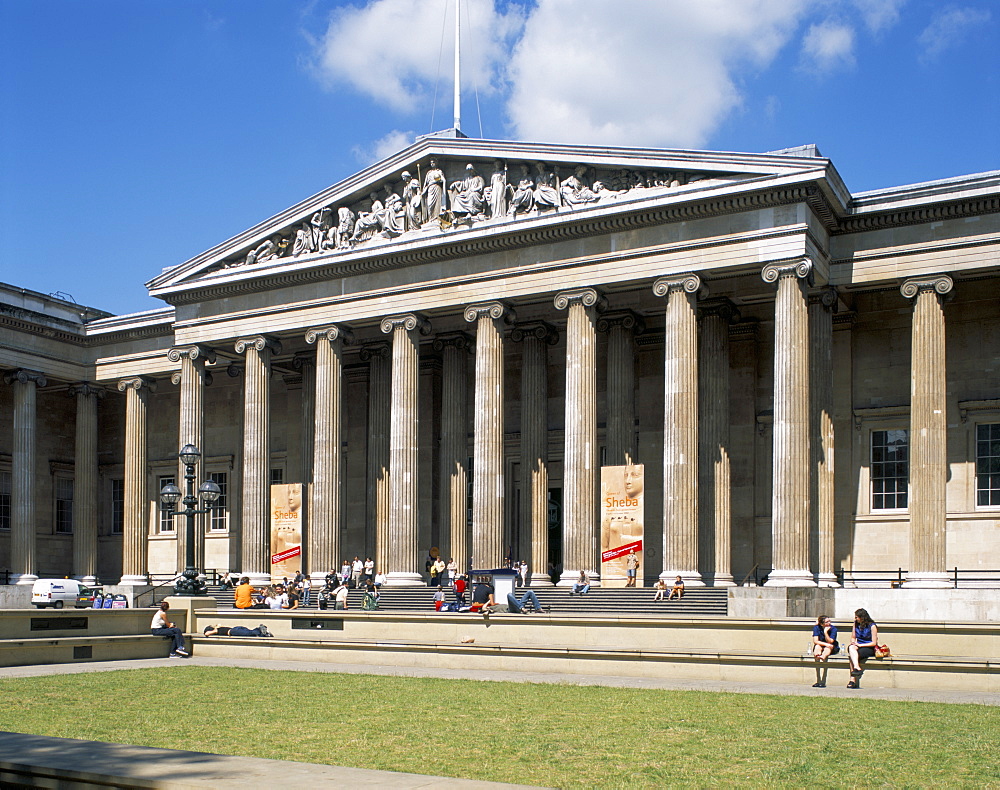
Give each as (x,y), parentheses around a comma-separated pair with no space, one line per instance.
(70,649)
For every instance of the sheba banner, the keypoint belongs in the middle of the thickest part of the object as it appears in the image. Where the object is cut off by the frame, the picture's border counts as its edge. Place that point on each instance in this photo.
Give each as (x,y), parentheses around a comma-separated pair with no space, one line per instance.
(287,521)
(621,523)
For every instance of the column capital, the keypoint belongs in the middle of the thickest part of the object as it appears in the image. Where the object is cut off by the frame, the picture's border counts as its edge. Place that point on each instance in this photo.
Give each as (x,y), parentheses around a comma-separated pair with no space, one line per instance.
(193,352)
(137,383)
(496,310)
(941,284)
(689,283)
(825,296)
(460,340)
(86,388)
(409,322)
(720,307)
(176,377)
(626,319)
(258,343)
(801,269)
(588,297)
(24,376)
(540,330)
(370,351)
(331,333)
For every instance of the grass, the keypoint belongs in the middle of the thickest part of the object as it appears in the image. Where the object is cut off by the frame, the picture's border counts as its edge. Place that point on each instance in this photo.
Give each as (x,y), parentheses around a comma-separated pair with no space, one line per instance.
(553,735)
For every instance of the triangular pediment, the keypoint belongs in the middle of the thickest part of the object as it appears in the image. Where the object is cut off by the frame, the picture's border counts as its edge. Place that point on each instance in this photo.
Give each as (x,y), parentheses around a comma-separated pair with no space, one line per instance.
(440,186)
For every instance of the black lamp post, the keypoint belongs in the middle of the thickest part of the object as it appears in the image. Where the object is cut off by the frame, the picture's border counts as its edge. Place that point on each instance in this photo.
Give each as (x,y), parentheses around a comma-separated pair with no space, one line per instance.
(170,494)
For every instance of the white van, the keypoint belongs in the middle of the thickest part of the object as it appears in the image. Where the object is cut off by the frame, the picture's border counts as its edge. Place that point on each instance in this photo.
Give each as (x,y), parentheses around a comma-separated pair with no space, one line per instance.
(56,593)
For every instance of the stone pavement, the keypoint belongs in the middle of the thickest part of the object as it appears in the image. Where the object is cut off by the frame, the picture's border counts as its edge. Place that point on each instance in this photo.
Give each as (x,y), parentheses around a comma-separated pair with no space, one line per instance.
(836,682)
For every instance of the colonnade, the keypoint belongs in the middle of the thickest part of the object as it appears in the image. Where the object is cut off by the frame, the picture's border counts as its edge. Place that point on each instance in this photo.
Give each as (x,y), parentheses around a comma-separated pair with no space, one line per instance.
(697,520)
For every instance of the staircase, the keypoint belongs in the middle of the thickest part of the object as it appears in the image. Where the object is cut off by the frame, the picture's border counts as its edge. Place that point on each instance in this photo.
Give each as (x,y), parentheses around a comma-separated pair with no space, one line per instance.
(614,601)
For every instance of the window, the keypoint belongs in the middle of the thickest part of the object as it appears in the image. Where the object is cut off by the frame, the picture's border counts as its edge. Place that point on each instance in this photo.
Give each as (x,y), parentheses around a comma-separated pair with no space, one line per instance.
(4,499)
(117,506)
(166,516)
(64,505)
(890,469)
(277,476)
(219,518)
(988,464)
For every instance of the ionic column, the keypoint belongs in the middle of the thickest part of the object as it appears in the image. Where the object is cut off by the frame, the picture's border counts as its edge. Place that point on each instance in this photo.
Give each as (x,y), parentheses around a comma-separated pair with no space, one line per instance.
(535,338)
(680,427)
(790,476)
(821,438)
(378,356)
(928,432)
(580,457)
(85,483)
(136,524)
(306,365)
(192,379)
(22,492)
(326,511)
(255,521)
(404,499)
(621,328)
(714,512)
(454,349)
(487,454)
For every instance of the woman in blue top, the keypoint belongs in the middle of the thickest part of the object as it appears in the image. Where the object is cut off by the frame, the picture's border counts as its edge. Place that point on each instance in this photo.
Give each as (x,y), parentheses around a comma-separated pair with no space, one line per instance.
(824,645)
(864,637)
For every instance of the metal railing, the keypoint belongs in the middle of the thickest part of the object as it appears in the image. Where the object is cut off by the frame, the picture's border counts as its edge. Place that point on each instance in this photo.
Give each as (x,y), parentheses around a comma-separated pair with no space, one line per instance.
(896,578)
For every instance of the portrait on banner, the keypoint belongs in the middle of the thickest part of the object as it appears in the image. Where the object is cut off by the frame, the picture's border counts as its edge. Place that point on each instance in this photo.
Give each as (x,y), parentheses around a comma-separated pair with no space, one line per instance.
(622,499)
(287,522)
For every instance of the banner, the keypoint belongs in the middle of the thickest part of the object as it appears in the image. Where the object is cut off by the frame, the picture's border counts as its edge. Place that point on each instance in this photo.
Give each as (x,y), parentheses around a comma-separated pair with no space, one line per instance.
(621,523)
(287,521)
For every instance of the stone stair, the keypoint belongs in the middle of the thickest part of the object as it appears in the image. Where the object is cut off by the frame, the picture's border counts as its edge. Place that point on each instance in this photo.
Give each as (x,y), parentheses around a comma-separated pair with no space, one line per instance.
(697,601)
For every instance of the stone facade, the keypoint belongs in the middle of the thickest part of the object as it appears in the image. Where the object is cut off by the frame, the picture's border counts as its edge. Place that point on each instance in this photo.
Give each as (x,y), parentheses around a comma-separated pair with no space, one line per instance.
(811,378)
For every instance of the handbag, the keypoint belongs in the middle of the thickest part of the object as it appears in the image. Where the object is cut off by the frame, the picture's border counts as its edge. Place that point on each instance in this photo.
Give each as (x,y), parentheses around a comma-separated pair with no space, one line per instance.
(882,651)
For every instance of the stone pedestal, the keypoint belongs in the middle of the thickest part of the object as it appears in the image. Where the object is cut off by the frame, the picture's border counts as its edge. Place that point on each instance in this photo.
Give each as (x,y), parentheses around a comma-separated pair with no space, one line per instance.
(928,433)
(714,502)
(22,494)
(404,551)
(255,528)
(821,434)
(454,349)
(378,356)
(191,430)
(790,475)
(323,522)
(580,460)
(535,338)
(85,483)
(135,528)
(680,428)
(487,459)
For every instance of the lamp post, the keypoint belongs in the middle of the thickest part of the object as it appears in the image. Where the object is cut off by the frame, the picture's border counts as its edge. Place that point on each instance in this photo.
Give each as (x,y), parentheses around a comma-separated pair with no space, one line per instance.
(170,494)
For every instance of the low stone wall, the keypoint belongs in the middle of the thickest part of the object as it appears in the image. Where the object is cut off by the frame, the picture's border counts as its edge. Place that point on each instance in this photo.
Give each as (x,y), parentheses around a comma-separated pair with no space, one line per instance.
(15,596)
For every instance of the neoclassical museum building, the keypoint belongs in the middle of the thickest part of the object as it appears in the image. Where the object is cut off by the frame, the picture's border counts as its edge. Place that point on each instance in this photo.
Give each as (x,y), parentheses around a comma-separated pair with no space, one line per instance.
(447,347)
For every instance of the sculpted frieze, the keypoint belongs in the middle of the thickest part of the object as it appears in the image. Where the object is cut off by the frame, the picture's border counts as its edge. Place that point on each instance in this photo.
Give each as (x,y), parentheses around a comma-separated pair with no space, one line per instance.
(450,195)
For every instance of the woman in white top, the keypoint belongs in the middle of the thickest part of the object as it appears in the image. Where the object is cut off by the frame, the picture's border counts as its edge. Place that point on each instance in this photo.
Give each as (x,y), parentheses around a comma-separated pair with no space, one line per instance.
(161,626)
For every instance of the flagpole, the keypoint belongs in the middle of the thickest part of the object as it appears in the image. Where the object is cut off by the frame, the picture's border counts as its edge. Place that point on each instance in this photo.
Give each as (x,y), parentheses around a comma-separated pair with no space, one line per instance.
(458,59)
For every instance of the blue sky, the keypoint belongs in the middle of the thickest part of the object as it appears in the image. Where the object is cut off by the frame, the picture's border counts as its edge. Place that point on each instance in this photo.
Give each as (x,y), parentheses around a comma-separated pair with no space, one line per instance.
(134,135)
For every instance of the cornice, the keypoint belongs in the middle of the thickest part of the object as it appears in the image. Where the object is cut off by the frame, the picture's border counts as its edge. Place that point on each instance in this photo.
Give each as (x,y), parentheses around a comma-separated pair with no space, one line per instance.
(957,209)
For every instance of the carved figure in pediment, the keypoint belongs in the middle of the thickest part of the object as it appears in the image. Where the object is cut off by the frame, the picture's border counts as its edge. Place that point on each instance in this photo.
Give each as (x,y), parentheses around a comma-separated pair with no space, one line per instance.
(575,189)
(345,227)
(466,196)
(434,192)
(268,249)
(322,223)
(546,194)
(496,192)
(603,193)
(392,214)
(369,222)
(411,201)
(523,199)
(303,243)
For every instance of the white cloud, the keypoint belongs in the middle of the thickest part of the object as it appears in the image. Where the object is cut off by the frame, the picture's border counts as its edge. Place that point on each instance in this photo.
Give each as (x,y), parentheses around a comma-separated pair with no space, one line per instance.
(827,46)
(879,15)
(383,147)
(948,28)
(633,72)
(394,50)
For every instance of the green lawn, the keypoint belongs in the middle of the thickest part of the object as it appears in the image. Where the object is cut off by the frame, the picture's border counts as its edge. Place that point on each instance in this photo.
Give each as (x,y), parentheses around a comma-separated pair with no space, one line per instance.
(559,736)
